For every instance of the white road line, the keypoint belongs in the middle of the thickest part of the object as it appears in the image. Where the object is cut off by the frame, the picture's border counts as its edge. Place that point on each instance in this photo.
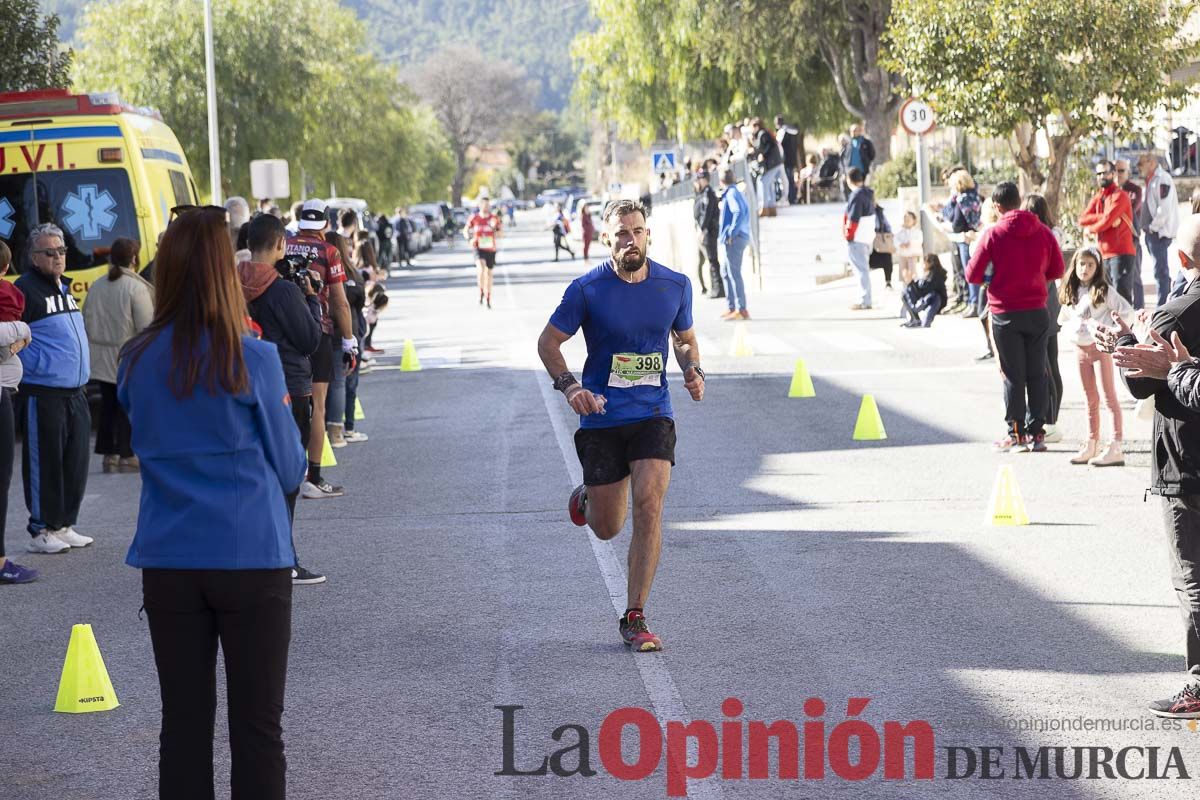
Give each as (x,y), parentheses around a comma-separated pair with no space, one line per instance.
(652,667)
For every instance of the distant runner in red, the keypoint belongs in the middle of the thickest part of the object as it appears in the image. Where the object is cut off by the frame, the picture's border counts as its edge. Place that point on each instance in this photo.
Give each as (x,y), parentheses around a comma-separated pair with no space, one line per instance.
(483,229)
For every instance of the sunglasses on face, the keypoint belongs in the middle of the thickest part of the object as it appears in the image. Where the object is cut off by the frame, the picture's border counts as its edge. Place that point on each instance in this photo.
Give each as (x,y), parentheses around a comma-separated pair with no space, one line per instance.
(51,252)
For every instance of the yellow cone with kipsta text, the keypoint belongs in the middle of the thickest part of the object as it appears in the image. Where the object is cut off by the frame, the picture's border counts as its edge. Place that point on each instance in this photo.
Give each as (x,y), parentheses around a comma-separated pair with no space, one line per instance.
(1006,506)
(84,685)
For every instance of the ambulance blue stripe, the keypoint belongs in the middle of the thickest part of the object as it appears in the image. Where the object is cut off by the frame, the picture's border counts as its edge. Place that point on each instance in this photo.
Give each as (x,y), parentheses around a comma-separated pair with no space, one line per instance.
(52,134)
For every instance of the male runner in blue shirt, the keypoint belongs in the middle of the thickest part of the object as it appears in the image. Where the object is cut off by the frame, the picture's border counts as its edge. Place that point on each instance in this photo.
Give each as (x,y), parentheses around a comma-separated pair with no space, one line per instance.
(627,307)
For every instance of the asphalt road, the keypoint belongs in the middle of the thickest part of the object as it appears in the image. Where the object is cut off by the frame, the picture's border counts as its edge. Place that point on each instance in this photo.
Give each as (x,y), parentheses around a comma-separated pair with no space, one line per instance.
(797,564)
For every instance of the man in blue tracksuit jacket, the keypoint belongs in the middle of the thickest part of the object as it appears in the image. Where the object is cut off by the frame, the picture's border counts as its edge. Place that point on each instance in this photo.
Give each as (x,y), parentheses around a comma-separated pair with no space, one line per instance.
(55,415)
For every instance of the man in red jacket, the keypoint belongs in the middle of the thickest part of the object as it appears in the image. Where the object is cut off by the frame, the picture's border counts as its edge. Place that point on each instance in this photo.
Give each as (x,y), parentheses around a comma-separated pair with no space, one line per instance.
(1016,257)
(1109,215)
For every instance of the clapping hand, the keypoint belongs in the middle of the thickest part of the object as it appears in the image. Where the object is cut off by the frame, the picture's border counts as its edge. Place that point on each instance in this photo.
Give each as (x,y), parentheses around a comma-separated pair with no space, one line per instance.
(1106,338)
(1152,360)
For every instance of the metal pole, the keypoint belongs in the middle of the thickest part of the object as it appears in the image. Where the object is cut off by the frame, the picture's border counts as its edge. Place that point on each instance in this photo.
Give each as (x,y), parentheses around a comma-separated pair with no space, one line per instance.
(214,153)
(923,193)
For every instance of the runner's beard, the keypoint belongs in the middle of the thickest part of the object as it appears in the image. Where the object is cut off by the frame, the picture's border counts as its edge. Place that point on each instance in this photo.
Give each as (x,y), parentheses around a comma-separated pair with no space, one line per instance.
(631,259)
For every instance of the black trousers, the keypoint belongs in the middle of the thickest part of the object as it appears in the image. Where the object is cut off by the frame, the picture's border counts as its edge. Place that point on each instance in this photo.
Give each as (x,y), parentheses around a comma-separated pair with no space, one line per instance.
(712,254)
(54,460)
(7,447)
(1055,385)
(560,243)
(1021,347)
(112,429)
(302,413)
(790,171)
(1182,518)
(249,612)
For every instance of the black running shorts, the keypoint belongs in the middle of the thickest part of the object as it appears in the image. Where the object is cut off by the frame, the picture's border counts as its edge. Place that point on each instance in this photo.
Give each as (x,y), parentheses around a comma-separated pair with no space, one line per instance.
(488,257)
(606,453)
(322,360)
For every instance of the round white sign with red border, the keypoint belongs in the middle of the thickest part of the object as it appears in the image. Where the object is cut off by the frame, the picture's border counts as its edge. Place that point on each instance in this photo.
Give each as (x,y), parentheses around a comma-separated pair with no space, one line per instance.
(916,117)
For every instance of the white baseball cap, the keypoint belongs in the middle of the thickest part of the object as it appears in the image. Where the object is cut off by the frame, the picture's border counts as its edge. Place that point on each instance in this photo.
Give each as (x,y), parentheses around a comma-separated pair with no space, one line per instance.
(312,216)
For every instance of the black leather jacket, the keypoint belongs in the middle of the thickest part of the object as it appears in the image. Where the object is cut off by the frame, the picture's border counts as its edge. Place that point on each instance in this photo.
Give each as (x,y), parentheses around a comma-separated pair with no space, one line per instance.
(1175,450)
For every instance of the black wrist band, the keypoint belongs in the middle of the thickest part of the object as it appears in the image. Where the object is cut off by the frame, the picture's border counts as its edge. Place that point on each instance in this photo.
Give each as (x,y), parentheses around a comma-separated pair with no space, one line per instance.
(696,366)
(564,382)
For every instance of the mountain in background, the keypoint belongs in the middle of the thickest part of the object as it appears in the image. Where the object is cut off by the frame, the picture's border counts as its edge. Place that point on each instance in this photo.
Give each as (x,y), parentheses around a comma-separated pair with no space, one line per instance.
(535,34)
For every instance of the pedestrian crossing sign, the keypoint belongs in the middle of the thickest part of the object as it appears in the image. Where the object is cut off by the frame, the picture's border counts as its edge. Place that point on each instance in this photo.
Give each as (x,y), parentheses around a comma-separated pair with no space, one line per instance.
(663,160)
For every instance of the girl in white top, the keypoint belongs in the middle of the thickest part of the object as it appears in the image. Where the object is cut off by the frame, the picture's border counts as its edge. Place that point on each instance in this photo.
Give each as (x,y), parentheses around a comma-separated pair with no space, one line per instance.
(1087,300)
(908,247)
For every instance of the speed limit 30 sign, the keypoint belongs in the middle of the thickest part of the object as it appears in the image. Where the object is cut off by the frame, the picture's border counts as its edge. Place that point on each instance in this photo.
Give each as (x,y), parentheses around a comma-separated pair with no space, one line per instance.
(916,117)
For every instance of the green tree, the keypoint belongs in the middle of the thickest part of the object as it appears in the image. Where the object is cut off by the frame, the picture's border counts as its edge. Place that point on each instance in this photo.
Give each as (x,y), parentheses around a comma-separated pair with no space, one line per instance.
(476,101)
(33,56)
(849,35)
(311,93)
(1058,69)
(542,140)
(683,69)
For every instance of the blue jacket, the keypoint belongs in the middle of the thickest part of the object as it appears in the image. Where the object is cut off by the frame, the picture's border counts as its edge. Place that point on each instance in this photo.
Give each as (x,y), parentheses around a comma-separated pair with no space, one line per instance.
(735,214)
(57,358)
(215,467)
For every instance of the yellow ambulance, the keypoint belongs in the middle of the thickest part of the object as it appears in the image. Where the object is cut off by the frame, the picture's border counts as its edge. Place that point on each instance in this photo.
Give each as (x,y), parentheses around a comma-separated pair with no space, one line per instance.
(95,167)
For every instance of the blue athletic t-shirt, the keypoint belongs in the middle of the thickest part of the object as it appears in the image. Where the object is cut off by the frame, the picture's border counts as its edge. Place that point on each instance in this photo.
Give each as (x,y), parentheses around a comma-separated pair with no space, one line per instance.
(627,328)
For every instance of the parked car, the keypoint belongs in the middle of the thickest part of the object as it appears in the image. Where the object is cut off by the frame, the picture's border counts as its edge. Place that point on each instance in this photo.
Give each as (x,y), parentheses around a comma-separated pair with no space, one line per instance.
(552,196)
(422,236)
(334,207)
(437,215)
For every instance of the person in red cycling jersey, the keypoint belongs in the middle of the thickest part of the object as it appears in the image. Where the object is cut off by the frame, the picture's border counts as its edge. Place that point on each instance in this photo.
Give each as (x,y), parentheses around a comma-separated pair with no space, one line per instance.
(483,231)
(322,257)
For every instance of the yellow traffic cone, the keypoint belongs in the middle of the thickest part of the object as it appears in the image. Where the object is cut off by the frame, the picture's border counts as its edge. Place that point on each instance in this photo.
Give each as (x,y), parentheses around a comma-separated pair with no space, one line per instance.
(327,459)
(359,416)
(1006,506)
(870,425)
(84,685)
(741,342)
(409,361)
(802,385)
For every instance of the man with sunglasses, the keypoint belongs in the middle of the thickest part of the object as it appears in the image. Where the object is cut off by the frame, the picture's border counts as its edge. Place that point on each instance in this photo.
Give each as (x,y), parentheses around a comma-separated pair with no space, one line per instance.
(54,409)
(1131,188)
(1109,216)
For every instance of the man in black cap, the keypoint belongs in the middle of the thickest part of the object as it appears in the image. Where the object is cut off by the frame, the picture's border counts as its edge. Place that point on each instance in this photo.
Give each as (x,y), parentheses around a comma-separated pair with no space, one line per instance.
(707,211)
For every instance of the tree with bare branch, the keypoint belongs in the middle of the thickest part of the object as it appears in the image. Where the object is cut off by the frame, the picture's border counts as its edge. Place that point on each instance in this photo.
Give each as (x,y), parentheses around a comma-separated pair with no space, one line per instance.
(475,99)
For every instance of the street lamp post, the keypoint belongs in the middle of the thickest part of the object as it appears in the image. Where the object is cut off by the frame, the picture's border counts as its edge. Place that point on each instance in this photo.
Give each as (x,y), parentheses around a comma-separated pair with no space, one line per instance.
(214,153)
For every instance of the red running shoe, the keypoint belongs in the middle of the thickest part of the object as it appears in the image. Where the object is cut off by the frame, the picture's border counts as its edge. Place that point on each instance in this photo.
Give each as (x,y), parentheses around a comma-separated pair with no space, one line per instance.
(577,505)
(636,634)
(1185,705)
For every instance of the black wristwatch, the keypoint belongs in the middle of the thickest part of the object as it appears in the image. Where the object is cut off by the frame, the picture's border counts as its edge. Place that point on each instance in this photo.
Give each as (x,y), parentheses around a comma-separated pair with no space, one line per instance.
(564,382)
(696,366)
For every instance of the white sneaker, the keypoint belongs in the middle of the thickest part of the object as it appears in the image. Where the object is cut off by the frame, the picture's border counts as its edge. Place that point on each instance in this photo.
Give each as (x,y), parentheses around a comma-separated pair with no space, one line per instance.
(70,536)
(46,542)
(319,491)
(355,436)
(1053,435)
